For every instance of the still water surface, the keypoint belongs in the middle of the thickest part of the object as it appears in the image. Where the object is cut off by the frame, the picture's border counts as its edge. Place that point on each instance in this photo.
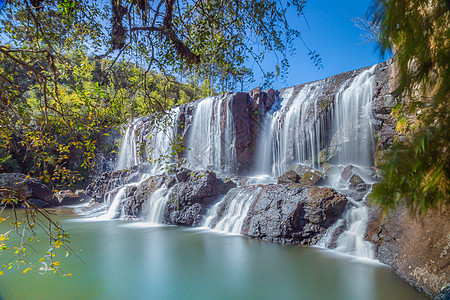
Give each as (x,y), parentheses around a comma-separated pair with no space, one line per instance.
(133,261)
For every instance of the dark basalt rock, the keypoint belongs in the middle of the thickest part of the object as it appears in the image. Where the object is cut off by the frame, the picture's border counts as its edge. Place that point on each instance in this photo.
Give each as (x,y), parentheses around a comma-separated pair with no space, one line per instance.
(193,195)
(416,248)
(67,197)
(34,191)
(302,174)
(190,192)
(293,214)
(136,202)
(108,181)
(289,177)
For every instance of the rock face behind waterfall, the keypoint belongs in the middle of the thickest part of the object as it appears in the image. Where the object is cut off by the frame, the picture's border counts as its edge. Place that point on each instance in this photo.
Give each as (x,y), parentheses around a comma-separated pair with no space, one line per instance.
(294,214)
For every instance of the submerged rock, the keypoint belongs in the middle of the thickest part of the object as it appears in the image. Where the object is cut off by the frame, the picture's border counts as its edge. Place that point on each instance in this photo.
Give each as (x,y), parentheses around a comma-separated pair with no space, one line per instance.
(294,213)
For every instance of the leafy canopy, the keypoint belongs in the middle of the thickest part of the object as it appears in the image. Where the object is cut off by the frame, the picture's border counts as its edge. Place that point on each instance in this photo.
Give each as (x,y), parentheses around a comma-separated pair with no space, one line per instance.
(417,171)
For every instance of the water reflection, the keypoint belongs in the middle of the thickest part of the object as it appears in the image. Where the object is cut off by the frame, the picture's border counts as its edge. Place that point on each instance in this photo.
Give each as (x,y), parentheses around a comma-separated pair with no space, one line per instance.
(129,262)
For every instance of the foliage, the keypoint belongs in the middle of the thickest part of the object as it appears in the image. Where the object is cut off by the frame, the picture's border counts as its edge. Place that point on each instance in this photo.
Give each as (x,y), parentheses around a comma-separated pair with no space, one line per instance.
(66,80)
(417,172)
(72,70)
(23,226)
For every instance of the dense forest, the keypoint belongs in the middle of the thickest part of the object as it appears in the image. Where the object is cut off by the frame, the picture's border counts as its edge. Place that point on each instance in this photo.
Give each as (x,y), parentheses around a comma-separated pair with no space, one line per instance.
(73,73)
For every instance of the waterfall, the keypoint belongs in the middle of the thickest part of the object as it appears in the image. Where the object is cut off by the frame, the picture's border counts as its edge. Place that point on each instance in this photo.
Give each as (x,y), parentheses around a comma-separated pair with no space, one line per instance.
(156,205)
(297,129)
(111,208)
(293,133)
(326,120)
(352,240)
(128,154)
(228,214)
(352,121)
(212,135)
(149,140)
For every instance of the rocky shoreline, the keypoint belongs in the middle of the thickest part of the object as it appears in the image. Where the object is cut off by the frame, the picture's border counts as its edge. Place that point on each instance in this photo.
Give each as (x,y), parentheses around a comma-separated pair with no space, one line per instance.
(298,209)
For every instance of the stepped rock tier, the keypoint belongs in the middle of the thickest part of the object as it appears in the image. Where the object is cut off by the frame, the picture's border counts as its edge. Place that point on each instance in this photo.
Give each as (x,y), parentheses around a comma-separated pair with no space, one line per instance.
(289,166)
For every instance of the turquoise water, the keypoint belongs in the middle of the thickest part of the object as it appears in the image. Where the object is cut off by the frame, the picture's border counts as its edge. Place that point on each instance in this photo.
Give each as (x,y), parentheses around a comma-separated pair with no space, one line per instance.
(127,260)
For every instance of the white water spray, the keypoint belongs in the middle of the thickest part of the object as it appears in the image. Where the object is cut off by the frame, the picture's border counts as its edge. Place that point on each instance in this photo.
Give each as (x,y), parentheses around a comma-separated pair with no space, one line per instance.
(212,135)
(229,213)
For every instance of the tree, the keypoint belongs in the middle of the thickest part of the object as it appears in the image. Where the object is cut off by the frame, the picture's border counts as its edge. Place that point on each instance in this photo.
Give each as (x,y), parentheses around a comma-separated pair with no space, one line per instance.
(70,70)
(417,171)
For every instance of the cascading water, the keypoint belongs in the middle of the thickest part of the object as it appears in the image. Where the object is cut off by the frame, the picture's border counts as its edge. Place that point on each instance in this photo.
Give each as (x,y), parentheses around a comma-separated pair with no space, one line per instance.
(352,121)
(293,133)
(149,140)
(352,240)
(229,213)
(306,125)
(296,130)
(156,205)
(128,153)
(212,135)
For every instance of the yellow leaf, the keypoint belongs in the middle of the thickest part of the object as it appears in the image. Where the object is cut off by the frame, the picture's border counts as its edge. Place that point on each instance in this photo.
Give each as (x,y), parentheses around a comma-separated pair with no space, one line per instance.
(26,270)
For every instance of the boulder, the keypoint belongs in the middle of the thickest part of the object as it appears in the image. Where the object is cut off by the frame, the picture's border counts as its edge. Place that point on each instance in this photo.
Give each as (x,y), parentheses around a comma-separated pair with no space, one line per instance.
(83,195)
(347,172)
(289,177)
(191,192)
(356,181)
(302,174)
(67,197)
(294,214)
(192,196)
(34,191)
(136,203)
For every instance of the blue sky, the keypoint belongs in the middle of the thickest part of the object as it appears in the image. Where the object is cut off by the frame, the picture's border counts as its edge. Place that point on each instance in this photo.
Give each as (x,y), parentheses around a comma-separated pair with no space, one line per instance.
(334,36)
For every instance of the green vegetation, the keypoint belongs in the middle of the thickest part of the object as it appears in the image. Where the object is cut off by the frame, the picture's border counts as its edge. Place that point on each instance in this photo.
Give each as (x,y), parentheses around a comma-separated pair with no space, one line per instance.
(417,171)
(70,71)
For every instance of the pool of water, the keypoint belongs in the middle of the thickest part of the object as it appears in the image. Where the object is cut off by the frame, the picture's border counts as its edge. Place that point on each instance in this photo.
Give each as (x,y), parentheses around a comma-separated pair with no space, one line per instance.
(125,260)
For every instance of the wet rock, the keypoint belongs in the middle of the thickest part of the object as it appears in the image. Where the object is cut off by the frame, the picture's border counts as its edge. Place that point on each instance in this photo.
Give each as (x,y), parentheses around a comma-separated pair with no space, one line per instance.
(83,195)
(189,194)
(293,213)
(67,197)
(289,177)
(108,181)
(29,187)
(299,173)
(417,249)
(182,174)
(354,181)
(363,187)
(135,206)
(191,197)
(347,172)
